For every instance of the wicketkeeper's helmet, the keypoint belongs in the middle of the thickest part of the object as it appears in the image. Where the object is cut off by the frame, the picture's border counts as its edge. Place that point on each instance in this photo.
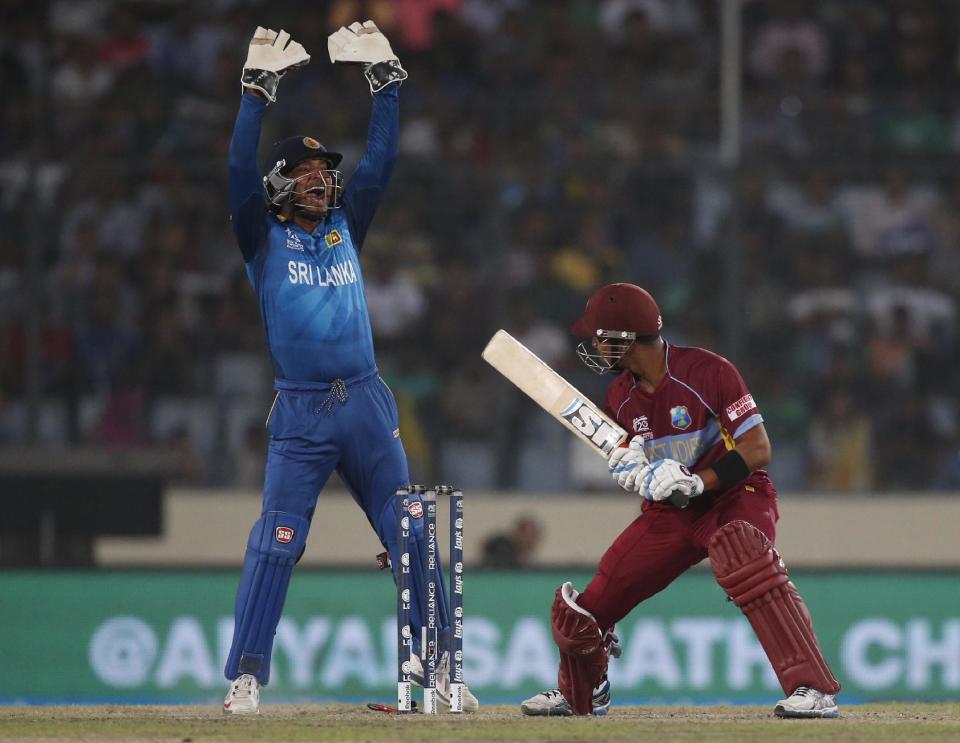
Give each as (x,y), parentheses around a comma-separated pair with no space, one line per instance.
(284,156)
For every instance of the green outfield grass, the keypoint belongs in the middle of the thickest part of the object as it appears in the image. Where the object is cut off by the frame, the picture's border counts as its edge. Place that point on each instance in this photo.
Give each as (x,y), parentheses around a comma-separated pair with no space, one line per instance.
(339,722)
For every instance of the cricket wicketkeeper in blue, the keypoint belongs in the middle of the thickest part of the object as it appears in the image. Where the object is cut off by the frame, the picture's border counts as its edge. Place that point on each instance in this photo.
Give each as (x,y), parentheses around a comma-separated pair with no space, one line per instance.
(300,231)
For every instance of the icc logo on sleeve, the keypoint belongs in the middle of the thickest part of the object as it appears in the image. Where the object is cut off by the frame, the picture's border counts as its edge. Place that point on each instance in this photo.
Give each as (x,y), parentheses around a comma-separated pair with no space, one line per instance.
(680,417)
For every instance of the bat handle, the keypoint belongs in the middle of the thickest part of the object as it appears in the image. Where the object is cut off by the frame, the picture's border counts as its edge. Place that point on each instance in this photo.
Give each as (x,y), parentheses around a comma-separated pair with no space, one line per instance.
(679,499)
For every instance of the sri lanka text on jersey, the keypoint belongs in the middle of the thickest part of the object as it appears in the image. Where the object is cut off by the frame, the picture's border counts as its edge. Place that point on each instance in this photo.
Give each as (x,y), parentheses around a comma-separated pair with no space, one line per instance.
(336,275)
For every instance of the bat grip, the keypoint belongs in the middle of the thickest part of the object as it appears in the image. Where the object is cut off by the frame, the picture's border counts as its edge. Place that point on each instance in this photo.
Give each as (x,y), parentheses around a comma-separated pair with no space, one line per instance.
(679,499)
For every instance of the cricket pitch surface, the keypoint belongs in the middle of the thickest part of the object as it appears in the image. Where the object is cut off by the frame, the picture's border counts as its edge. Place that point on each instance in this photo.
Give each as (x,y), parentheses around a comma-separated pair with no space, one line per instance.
(501,723)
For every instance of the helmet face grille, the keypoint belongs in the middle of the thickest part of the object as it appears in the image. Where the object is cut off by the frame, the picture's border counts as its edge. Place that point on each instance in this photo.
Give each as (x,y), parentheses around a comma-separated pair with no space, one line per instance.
(281,190)
(612,349)
(332,182)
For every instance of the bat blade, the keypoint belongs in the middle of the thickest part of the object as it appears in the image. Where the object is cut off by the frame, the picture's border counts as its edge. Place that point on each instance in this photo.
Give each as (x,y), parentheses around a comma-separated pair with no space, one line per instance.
(553,393)
(534,377)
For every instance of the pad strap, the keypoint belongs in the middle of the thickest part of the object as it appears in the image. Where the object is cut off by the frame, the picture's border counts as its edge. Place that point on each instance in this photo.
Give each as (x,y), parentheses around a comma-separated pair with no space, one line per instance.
(751,572)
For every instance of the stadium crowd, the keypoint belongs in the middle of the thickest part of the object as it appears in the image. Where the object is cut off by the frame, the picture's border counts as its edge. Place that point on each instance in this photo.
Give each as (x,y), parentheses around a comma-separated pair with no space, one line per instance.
(548,147)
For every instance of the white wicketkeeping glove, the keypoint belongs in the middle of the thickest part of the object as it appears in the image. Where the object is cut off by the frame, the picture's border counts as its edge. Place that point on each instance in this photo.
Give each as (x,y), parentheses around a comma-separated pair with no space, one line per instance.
(269,58)
(628,463)
(667,475)
(363,43)
(359,42)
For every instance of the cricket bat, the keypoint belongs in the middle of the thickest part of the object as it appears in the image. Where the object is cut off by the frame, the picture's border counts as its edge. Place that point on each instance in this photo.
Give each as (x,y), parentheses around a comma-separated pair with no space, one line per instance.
(558,397)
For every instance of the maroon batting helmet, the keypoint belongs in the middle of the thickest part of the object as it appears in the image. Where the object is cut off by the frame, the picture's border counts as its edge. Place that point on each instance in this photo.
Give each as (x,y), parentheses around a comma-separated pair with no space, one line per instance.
(621,307)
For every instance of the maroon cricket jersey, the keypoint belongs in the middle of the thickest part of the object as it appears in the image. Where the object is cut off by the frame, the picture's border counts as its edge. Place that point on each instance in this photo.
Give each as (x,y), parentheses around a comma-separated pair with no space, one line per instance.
(694,414)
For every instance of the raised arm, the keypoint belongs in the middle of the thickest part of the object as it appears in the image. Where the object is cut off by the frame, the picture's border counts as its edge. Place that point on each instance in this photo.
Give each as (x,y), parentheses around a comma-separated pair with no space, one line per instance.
(367,184)
(362,43)
(247,207)
(270,56)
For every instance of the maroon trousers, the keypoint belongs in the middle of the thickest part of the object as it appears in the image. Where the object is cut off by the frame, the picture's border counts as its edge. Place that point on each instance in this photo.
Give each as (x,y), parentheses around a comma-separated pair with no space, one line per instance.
(664,541)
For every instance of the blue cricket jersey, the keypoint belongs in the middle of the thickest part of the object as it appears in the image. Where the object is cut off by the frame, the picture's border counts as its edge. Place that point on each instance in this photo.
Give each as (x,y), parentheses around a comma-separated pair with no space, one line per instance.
(309,286)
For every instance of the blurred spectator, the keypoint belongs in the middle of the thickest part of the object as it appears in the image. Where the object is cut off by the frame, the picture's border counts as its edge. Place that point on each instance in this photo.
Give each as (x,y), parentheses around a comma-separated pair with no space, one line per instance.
(810,206)
(396,301)
(189,470)
(469,397)
(772,124)
(922,43)
(861,36)
(891,352)
(187,48)
(126,45)
(840,445)
(122,423)
(72,274)
(682,76)
(791,44)
(248,465)
(545,338)
(167,365)
(486,15)
(905,454)
(915,311)
(666,259)
(944,265)
(513,549)
(416,21)
(948,475)
(893,220)
(913,125)
(81,17)
(79,78)
(665,16)
(550,147)
(107,352)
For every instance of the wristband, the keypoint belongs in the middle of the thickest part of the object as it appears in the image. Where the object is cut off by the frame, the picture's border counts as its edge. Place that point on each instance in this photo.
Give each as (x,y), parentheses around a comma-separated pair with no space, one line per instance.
(381,74)
(730,469)
(263,80)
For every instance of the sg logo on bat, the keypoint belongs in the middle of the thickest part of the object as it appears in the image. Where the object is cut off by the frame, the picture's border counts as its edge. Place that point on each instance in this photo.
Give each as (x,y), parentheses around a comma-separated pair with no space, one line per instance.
(589,424)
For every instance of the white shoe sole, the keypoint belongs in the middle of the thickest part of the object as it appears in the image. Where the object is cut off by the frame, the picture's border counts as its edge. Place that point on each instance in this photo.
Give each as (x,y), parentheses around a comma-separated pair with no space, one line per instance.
(546,711)
(532,711)
(802,714)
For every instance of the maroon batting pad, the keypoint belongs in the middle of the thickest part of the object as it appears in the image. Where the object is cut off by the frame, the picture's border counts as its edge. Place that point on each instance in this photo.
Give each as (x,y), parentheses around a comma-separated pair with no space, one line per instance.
(751,572)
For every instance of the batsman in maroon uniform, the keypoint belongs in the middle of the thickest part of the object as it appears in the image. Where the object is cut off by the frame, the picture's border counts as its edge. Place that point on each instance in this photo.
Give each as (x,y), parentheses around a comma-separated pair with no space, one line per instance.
(697,438)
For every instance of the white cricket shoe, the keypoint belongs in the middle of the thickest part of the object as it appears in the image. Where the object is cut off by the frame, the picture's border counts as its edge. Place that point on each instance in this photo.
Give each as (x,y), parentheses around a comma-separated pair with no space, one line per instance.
(470,702)
(243,697)
(551,703)
(807,702)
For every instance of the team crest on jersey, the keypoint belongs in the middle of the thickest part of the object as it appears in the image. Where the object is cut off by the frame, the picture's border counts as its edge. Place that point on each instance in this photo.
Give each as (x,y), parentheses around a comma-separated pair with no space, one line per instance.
(293,240)
(680,417)
(332,238)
